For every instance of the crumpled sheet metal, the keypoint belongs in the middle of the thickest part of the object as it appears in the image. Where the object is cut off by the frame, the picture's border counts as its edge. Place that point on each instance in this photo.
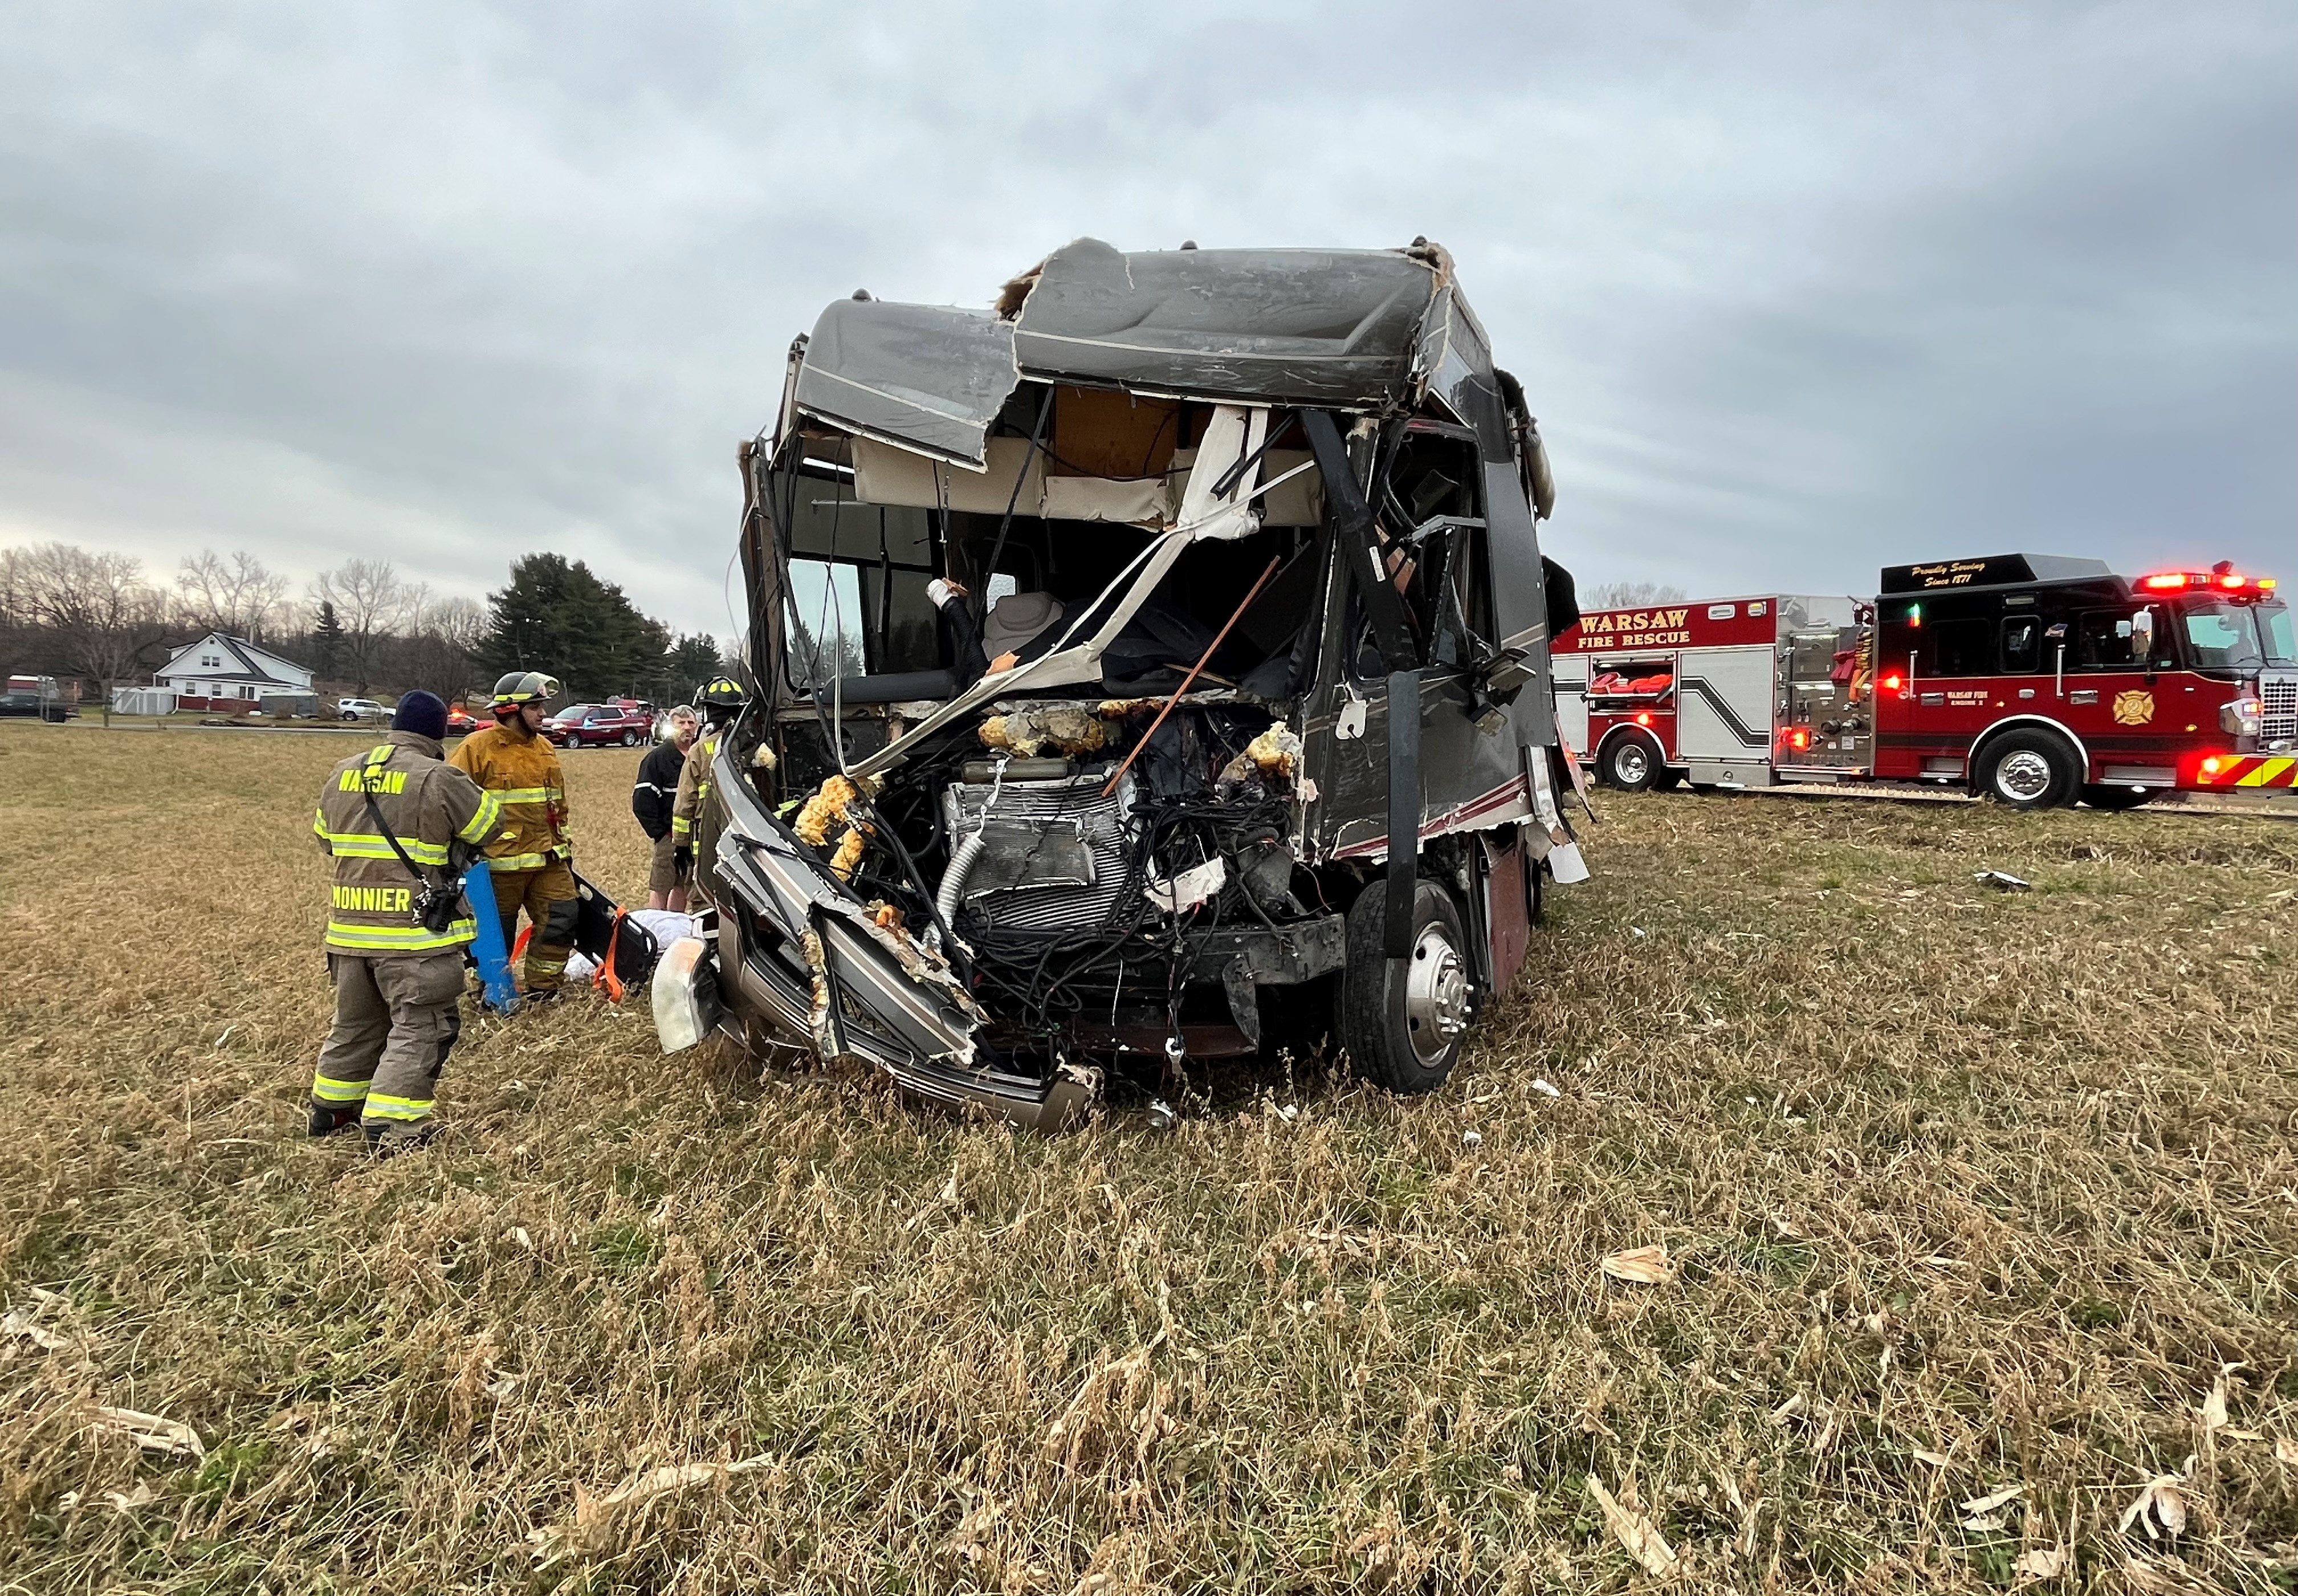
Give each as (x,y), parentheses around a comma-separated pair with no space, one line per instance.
(928,377)
(1335,327)
(1350,329)
(919,962)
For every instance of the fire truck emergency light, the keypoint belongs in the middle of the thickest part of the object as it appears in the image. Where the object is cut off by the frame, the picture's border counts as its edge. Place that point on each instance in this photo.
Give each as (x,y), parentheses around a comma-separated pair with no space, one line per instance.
(1799,738)
(2227,581)
(1643,717)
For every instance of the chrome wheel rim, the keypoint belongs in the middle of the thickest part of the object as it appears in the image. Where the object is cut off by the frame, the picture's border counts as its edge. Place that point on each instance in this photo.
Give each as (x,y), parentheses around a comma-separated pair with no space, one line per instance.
(1632,764)
(2023,776)
(1435,996)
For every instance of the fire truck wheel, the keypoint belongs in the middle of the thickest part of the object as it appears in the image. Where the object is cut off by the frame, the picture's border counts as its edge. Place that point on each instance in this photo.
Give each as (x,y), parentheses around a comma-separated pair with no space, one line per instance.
(2029,770)
(1632,761)
(1403,1020)
(2115,797)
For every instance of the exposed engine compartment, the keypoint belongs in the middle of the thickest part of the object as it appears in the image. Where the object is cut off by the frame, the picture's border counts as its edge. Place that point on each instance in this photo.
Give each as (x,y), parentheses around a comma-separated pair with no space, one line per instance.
(1153,664)
(1083,856)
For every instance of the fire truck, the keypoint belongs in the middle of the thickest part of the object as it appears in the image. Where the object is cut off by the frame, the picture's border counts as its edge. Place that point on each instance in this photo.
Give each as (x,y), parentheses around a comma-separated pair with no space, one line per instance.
(2038,680)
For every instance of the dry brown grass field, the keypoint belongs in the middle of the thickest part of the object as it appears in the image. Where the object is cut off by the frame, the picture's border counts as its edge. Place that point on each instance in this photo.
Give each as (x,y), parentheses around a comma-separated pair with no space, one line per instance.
(1962,1191)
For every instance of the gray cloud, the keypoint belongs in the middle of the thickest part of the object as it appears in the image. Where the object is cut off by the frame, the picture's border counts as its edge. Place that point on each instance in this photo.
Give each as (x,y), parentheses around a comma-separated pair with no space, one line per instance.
(1795,288)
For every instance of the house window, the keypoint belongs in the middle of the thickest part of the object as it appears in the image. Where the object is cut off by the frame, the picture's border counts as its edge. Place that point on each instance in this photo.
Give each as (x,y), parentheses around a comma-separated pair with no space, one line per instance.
(211,662)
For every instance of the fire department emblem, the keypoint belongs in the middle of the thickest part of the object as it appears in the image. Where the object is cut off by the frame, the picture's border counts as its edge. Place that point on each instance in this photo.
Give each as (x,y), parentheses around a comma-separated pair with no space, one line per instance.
(2133,708)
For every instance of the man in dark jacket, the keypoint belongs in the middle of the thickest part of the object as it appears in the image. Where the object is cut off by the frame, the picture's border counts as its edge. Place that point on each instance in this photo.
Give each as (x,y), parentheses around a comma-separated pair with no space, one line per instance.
(650,801)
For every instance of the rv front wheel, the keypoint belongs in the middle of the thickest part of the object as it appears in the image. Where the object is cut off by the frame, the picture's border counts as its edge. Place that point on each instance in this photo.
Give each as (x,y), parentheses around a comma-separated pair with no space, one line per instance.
(1403,1020)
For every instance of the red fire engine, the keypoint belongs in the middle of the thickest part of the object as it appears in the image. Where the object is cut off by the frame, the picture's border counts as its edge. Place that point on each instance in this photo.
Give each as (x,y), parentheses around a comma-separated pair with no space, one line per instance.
(2037,679)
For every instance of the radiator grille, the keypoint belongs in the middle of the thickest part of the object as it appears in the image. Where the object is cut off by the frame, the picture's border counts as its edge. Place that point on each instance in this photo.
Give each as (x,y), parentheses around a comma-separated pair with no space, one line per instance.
(2279,694)
(1101,824)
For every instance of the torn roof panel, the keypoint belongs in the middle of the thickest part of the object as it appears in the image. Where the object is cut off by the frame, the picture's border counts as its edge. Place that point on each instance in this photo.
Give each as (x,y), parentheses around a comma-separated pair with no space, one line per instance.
(1315,326)
(928,377)
(1344,329)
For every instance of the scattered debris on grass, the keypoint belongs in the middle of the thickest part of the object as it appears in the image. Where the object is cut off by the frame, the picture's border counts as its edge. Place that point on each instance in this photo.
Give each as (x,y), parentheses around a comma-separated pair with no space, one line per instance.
(595,1518)
(1642,1266)
(119,1501)
(2158,1509)
(2040,1562)
(1632,1529)
(167,1436)
(1372,1314)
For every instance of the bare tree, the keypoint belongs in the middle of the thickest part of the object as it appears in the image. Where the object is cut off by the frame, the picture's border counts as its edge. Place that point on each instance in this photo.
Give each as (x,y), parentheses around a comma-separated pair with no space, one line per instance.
(441,649)
(100,615)
(371,603)
(1627,595)
(237,597)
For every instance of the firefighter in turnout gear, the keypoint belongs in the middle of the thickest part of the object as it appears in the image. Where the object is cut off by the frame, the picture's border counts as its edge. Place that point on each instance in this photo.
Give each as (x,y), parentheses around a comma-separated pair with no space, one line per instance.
(403,825)
(721,702)
(528,853)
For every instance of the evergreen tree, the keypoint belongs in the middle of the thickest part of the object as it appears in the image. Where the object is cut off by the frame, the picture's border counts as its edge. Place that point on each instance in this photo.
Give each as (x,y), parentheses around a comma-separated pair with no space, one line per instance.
(691,662)
(326,642)
(557,616)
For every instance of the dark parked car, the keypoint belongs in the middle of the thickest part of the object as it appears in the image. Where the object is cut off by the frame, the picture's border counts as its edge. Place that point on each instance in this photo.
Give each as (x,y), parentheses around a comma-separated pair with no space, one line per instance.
(39,696)
(594,725)
(1234,730)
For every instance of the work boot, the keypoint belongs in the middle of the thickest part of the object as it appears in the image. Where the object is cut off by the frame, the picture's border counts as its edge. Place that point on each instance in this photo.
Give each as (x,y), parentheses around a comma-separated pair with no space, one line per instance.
(328,1118)
(392,1137)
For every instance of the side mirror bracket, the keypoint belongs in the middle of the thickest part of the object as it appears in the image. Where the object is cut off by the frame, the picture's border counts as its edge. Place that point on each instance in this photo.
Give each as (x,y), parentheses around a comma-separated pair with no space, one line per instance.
(2142,642)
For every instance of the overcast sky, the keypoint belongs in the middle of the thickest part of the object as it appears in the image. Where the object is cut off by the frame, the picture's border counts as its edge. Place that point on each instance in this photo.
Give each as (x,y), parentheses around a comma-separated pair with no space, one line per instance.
(1796,289)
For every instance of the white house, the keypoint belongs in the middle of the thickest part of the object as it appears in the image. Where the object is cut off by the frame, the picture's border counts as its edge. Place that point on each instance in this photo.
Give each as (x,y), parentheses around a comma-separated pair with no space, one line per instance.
(221,672)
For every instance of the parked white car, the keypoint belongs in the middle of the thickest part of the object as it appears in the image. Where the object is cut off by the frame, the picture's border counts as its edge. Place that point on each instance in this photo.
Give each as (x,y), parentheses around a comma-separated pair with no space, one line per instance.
(360,709)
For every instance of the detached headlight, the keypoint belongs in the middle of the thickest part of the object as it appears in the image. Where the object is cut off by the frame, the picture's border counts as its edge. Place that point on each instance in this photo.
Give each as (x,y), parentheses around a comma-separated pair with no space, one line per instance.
(2245,718)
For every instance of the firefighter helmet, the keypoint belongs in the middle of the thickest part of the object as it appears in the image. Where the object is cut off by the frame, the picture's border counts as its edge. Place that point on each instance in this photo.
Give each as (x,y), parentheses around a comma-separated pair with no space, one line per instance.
(523,687)
(724,693)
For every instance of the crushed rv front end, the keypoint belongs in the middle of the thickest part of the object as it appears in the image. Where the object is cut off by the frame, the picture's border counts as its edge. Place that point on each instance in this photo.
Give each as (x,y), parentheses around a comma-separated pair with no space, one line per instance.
(1151,668)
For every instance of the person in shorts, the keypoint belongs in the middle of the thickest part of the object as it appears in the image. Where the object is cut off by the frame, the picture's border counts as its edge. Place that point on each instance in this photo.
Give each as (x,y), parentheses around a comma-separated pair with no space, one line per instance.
(650,800)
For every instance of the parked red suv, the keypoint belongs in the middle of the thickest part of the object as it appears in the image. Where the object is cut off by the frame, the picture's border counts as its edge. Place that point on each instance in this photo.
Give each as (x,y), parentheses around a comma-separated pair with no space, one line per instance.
(597,724)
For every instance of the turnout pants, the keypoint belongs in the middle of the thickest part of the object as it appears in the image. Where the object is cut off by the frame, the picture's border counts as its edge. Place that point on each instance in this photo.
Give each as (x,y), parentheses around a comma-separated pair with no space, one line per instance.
(396,1020)
(548,896)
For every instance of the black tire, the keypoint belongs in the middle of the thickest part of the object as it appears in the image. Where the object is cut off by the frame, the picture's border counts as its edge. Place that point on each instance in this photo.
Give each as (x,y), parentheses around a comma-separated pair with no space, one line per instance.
(1631,762)
(2115,797)
(1403,1021)
(2029,770)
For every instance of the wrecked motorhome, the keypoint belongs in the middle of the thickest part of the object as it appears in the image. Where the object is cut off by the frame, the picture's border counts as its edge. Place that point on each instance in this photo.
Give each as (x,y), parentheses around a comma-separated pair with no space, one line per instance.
(1153,667)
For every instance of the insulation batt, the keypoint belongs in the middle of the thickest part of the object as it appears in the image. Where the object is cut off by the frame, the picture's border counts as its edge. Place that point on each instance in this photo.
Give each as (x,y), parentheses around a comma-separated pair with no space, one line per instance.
(1275,754)
(1068,728)
(825,814)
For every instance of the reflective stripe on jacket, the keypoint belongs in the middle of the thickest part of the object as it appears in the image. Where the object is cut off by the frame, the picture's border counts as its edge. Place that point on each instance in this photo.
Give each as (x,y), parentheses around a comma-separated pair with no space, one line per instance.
(522,773)
(657,789)
(428,806)
(693,785)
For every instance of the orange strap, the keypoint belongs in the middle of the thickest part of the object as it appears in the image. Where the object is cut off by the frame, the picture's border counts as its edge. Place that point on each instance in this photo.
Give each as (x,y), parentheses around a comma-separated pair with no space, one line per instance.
(606,980)
(518,949)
